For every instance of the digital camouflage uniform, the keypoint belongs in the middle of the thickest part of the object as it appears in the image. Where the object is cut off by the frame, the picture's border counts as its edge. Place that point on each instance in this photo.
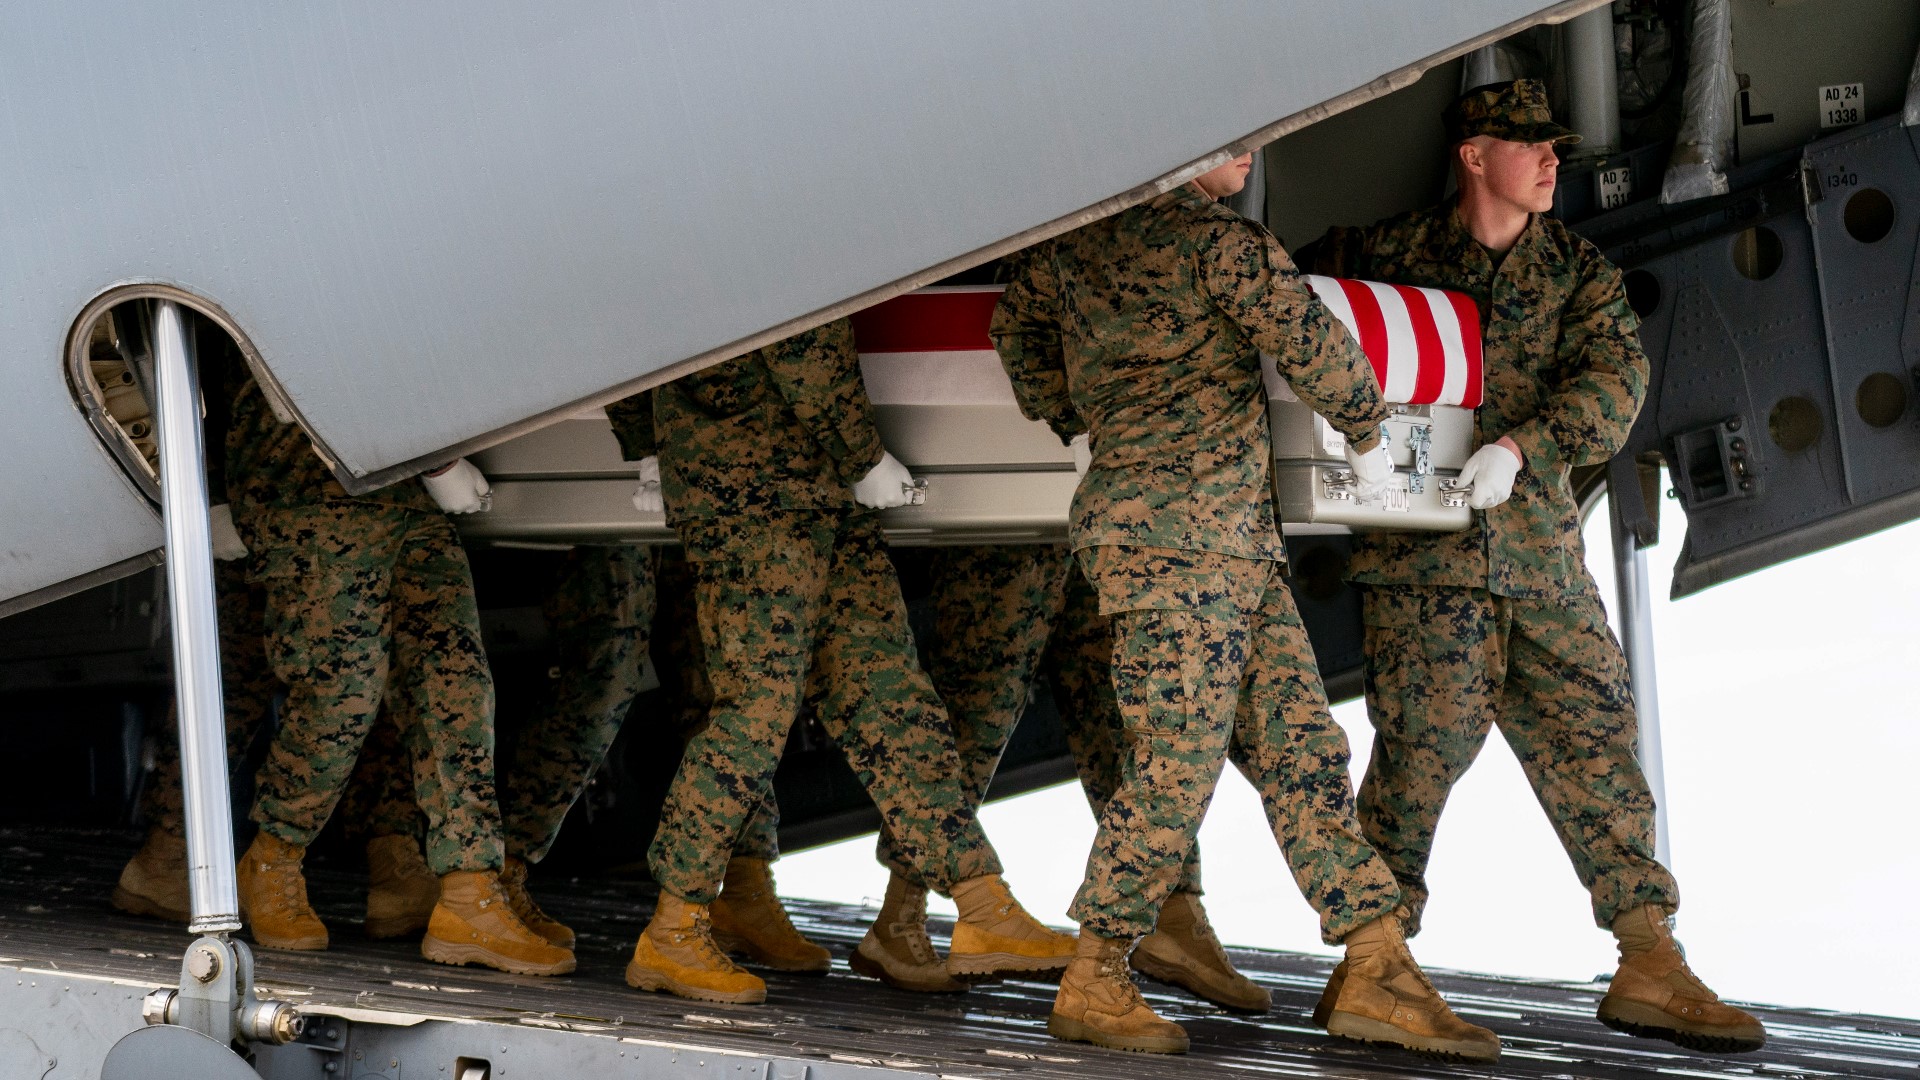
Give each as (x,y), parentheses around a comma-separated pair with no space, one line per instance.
(1500,624)
(1149,324)
(1005,615)
(600,613)
(796,597)
(379,800)
(368,598)
(676,637)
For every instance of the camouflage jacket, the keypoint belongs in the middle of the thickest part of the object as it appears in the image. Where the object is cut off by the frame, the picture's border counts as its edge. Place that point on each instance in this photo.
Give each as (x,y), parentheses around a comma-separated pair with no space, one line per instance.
(632,419)
(787,427)
(1146,329)
(1564,379)
(273,465)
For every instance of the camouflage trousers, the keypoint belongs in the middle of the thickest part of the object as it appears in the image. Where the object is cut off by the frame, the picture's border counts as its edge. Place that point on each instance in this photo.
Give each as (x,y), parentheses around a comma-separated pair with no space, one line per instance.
(676,638)
(1003,615)
(807,604)
(1445,664)
(247,687)
(598,616)
(367,604)
(606,603)
(379,799)
(1210,661)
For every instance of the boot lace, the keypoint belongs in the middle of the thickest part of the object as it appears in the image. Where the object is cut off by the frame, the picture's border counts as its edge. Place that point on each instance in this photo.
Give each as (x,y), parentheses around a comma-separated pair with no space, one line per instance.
(700,937)
(912,929)
(1115,971)
(288,889)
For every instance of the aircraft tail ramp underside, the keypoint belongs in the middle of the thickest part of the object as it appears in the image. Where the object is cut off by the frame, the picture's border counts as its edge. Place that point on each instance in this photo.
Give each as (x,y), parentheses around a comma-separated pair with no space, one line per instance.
(436,225)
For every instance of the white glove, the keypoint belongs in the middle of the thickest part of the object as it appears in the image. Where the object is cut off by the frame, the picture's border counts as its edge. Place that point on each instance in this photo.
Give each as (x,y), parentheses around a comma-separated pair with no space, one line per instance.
(886,484)
(1491,471)
(227,545)
(646,497)
(1082,447)
(1370,471)
(459,488)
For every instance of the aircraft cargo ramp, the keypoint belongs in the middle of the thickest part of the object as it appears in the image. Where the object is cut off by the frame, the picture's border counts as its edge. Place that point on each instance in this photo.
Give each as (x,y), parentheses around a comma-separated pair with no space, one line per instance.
(73,971)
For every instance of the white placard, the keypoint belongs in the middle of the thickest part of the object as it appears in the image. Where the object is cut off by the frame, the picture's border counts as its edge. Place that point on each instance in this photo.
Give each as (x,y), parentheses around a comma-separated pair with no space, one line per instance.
(1842,106)
(1616,186)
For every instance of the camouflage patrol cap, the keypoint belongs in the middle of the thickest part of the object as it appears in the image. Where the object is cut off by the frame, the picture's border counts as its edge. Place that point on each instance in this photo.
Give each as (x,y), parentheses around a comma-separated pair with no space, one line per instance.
(1516,111)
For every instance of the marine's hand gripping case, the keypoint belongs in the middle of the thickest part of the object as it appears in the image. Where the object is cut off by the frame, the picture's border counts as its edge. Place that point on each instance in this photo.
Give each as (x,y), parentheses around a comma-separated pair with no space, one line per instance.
(1424,345)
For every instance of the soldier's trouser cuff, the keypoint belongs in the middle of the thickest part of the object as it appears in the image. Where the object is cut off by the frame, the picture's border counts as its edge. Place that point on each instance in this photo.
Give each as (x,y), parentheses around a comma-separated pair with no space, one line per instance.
(286,832)
(761,838)
(1611,898)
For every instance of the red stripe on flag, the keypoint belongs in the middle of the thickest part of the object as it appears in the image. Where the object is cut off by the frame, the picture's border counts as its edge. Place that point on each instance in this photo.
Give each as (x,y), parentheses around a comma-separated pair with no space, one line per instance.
(1468,313)
(927,322)
(1431,376)
(1372,324)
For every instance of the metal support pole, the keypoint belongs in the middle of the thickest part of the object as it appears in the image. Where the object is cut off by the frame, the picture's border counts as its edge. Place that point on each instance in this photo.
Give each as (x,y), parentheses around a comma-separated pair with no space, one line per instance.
(1594,83)
(1636,637)
(215,996)
(196,627)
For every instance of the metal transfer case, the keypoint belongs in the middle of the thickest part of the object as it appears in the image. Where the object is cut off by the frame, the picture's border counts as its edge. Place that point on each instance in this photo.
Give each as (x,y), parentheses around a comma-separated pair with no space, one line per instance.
(1313,487)
(1424,345)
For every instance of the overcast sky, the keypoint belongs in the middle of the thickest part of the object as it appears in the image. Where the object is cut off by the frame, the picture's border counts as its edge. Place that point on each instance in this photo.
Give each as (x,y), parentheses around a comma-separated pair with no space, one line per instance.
(1789,704)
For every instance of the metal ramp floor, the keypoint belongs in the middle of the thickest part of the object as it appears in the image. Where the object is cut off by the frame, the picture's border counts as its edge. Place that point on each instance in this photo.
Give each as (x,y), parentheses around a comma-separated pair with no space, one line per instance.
(61,945)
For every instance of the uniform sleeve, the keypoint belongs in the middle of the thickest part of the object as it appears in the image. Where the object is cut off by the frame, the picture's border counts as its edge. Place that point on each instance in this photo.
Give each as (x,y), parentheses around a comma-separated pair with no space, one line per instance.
(818,374)
(1602,378)
(1250,279)
(632,419)
(1026,334)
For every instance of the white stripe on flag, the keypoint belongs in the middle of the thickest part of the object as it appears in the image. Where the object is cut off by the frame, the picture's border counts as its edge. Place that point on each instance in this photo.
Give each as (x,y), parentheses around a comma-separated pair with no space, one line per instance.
(1403,349)
(1330,294)
(959,377)
(1453,388)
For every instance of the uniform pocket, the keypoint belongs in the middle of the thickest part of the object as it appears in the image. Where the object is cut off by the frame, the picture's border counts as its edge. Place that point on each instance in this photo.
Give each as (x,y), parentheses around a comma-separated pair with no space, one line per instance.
(1392,607)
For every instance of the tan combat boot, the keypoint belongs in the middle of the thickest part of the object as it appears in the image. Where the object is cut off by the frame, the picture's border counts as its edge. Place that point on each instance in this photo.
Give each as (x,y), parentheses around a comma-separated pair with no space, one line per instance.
(473,923)
(1384,997)
(1184,951)
(897,950)
(1323,1009)
(273,896)
(676,953)
(513,881)
(994,935)
(154,881)
(1099,1004)
(1656,996)
(748,918)
(401,890)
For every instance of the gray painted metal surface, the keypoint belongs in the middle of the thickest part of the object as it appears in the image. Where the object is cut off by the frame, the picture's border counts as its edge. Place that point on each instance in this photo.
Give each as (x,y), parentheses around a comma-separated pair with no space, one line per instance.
(1785,338)
(436,222)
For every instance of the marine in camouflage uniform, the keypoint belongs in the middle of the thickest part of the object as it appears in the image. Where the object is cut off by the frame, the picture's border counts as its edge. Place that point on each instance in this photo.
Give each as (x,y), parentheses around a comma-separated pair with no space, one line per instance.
(1149,325)
(1146,329)
(1500,624)
(796,600)
(370,605)
(795,596)
(367,598)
